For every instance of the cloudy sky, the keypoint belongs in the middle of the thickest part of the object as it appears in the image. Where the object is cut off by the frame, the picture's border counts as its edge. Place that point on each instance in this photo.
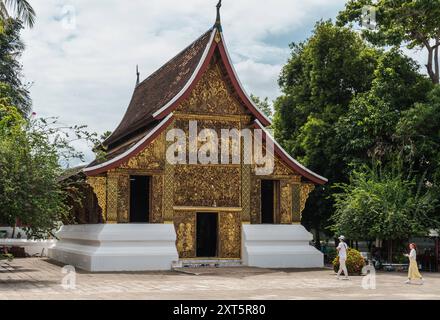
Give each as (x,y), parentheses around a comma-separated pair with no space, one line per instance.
(81,55)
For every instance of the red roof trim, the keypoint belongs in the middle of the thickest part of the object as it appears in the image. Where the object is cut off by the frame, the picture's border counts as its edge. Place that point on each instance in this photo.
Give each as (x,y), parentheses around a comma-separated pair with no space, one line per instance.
(238,87)
(292,163)
(232,75)
(132,152)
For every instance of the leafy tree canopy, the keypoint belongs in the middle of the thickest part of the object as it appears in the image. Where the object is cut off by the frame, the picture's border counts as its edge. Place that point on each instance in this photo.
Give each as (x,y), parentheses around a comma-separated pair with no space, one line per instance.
(11,48)
(410,22)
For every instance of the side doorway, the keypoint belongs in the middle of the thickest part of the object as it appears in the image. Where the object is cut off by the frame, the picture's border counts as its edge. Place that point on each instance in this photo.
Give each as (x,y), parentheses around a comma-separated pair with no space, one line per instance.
(140,187)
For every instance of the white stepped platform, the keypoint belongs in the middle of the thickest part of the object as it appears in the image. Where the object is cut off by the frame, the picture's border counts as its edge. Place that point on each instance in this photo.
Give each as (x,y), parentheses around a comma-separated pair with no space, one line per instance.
(279,246)
(116,247)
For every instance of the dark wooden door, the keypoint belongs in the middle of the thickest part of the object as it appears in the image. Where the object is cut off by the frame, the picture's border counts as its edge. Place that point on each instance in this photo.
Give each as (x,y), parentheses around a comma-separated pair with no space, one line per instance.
(207,228)
(139,199)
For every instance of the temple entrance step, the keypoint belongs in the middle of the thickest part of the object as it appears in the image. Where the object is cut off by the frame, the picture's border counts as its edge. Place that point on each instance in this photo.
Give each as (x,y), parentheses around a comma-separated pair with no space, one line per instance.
(206,263)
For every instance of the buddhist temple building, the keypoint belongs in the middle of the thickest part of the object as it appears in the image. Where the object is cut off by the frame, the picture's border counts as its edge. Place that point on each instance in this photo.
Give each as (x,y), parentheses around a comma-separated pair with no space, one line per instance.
(157,213)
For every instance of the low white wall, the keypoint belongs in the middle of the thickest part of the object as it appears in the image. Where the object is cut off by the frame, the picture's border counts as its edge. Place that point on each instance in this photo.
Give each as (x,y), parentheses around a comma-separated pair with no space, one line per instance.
(9,231)
(116,247)
(279,246)
(33,248)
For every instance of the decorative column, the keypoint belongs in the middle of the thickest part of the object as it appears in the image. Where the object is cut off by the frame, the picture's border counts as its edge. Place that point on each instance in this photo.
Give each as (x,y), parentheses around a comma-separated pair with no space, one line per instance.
(296,199)
(112,197)
(168,187)
(286,202)
(156,199)
(230,235)
(123,198)
(246,172)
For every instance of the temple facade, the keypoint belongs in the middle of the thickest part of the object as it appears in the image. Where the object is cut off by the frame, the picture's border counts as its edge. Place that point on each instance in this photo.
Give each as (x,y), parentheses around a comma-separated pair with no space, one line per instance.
(208,204)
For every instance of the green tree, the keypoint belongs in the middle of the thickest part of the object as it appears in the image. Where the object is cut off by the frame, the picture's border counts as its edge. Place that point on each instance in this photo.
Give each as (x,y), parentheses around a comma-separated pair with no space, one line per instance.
(368,127)
(263,105)
(318,83)
(11,48)
(32,152)
(29,191)
(410,22)
(418,137)
(384,203)
(19,9)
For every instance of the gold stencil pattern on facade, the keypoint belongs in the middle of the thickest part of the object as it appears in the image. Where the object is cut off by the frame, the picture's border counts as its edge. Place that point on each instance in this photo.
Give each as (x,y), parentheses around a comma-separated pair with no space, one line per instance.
(255,200)
(296,202)
(99,186)
(286,203)
(207,186)
(279,167)
(185,225)
(230,235)
(156,199)
(168,185)
(246,192)
(123,197)
(211,95)
(151,158)
(112,197)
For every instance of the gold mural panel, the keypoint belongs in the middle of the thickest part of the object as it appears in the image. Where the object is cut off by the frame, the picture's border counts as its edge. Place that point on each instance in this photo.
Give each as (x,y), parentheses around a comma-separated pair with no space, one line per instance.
(212,95)
(123,198)
(168,187)
(207,186)
(280,169)
(185,225)
(296,202)
(246,192)
(156,199)
(151,158)
(286,203)
(99,186)
(112,197)
(255,200)
(230,235)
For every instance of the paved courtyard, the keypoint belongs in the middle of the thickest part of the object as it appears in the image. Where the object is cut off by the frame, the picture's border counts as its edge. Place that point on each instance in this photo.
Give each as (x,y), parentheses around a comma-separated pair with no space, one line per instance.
(41,279)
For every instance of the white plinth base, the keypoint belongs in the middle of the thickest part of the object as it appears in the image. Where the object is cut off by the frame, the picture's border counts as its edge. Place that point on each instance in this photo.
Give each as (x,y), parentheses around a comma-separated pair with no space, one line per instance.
(116,247)
(279,246)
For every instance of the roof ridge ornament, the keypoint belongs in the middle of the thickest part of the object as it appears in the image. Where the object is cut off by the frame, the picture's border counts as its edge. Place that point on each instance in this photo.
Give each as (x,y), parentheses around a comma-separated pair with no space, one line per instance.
(218,24)
(137,75)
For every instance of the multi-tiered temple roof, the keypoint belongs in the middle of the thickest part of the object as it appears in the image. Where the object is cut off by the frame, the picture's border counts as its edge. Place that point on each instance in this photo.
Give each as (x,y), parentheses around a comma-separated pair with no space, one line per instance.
(151,107)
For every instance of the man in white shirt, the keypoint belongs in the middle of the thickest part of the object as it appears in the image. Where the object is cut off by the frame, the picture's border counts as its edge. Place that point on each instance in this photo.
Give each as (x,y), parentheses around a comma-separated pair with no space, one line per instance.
(342,253)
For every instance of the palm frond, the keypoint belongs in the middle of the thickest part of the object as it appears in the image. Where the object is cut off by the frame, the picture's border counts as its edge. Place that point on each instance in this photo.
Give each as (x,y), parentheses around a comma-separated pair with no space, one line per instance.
(3,11)
(22,10)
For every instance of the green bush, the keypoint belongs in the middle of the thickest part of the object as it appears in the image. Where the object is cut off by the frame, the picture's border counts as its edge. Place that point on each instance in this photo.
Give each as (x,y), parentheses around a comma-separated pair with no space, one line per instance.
(355,262)
(7,256)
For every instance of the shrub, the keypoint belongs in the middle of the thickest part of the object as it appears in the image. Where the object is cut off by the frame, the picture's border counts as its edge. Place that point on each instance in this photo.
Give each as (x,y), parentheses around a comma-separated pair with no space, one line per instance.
(6,256)
(355,262)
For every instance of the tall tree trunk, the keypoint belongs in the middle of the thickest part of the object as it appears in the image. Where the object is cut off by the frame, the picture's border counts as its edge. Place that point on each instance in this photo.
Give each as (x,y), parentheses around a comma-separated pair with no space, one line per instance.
(436,63)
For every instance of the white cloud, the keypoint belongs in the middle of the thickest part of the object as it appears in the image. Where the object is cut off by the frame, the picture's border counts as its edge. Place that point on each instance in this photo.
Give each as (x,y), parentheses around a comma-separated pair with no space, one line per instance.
(86,75)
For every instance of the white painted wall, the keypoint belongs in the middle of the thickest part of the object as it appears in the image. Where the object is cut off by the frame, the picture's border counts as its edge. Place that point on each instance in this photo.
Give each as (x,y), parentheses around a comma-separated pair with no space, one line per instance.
(279,246)
(116,247)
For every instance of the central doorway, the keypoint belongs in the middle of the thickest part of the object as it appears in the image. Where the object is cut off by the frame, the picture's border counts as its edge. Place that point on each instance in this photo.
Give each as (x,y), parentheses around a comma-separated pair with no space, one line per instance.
(139,199)
(207,226)
(269,201)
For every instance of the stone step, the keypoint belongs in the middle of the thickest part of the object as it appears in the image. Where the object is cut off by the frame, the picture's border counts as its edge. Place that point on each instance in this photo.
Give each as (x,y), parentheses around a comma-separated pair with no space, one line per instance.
(206,263)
